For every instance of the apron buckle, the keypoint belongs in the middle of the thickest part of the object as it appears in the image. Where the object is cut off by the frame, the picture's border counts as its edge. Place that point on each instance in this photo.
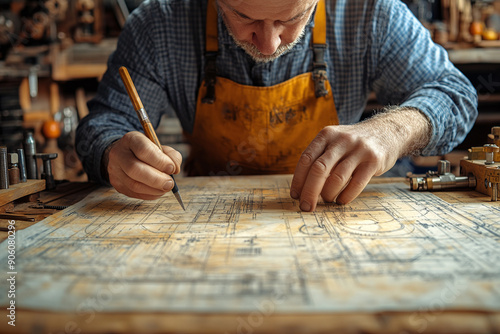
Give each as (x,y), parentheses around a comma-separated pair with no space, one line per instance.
(319,70)
(319,77)
(210,78)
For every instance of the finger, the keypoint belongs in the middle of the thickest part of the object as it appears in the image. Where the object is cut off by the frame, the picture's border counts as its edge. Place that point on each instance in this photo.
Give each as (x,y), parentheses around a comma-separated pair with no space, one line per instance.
(175,156)
(360,178)
(133,188)
(315,149)
(147,175)
(145,150)
(123,161)
(315,181)
(338,179)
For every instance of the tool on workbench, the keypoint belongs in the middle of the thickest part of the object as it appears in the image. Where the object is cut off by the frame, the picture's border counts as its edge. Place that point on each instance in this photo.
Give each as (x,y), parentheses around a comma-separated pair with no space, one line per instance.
(29,145)
(43,206)
(47,169)
(22,165)
(31,212)
(51,131)
(54,207)
(494,136)
(441,179)
(13,169)
(16,217)
(4,173)
(145,122)
(481,171)
(486,169)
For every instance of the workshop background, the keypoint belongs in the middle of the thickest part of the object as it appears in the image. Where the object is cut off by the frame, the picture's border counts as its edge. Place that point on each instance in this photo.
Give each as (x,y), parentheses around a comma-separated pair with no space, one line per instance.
(53,53)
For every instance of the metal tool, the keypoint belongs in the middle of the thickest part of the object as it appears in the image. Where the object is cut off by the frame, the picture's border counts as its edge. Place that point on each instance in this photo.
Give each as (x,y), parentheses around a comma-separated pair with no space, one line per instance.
(41,205)
(47,169)
(29,145)
(489,151)
(4,174)
(145,122)
(495,135)
(481,171)
(492,181)
(442,179)
(21,165)
(33,80)
(55,207)
(484,164)
(13,169)
(16,217)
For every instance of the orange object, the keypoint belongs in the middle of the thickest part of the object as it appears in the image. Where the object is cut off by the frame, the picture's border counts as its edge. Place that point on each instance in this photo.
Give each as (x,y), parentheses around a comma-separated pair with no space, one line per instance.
(51,129)
(490,35)
(476,28)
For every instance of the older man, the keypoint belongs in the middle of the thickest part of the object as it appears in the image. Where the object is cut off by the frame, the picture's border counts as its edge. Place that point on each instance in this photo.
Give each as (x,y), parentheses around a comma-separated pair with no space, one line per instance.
(275,87)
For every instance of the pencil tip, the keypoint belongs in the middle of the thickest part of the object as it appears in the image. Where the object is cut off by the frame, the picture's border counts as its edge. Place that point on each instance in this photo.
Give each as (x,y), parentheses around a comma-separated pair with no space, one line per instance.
(179,199)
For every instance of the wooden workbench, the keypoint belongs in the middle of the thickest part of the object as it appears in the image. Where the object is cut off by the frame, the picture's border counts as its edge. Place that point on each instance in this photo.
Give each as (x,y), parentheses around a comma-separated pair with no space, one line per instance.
(27,199)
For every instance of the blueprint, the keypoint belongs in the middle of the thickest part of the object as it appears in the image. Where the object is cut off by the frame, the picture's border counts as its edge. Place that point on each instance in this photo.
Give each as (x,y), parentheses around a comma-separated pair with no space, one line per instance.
(243,245)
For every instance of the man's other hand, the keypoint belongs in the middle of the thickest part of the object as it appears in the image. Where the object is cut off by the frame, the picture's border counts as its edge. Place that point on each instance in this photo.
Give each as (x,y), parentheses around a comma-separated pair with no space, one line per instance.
(338,164)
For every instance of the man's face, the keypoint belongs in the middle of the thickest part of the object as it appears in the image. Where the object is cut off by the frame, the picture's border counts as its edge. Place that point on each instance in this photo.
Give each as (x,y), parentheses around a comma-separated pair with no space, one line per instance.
(266,29)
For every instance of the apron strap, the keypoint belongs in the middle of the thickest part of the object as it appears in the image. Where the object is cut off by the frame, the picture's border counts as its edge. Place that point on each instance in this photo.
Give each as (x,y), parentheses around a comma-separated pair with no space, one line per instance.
(211,50)
(319,49)
(210,77)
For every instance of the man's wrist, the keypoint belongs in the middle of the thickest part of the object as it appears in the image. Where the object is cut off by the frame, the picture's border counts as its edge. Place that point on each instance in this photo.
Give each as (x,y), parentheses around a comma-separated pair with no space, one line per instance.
(105,161)
(409,129)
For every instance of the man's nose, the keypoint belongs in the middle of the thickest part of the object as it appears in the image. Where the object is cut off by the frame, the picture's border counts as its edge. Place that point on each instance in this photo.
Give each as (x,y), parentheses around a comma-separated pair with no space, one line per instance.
(267,37)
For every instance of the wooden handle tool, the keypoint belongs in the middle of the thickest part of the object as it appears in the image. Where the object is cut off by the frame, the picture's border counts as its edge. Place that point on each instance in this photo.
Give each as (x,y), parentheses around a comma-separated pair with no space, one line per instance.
(144,119)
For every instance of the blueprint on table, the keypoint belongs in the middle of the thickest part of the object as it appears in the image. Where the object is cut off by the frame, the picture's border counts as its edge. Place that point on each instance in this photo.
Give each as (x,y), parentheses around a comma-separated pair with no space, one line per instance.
(244,245)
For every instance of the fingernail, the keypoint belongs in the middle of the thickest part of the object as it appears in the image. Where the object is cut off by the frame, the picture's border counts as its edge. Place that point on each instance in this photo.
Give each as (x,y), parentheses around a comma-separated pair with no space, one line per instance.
(294,194)
(170,169)
(168,185)
(304,206)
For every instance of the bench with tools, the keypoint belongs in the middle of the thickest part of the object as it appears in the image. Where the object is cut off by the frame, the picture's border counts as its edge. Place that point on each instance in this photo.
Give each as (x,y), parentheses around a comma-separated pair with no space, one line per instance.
(28,194)
(480,171)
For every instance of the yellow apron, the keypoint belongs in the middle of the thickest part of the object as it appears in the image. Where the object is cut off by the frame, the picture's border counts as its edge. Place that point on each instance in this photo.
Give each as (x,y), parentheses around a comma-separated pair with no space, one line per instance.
(243,129)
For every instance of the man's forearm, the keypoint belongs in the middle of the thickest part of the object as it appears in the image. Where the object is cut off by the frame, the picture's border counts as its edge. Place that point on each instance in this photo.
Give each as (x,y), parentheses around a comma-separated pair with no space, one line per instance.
(405,130)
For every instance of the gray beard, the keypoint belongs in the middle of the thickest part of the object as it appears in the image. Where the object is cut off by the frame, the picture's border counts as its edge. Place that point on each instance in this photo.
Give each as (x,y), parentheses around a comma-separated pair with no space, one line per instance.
(254,52)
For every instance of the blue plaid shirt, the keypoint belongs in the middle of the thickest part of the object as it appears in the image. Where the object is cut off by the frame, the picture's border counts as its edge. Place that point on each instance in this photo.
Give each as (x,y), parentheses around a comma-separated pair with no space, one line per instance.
(373,45)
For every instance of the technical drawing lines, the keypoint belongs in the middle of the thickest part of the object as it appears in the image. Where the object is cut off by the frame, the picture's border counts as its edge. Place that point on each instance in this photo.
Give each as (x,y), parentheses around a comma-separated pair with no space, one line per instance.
(242,241)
